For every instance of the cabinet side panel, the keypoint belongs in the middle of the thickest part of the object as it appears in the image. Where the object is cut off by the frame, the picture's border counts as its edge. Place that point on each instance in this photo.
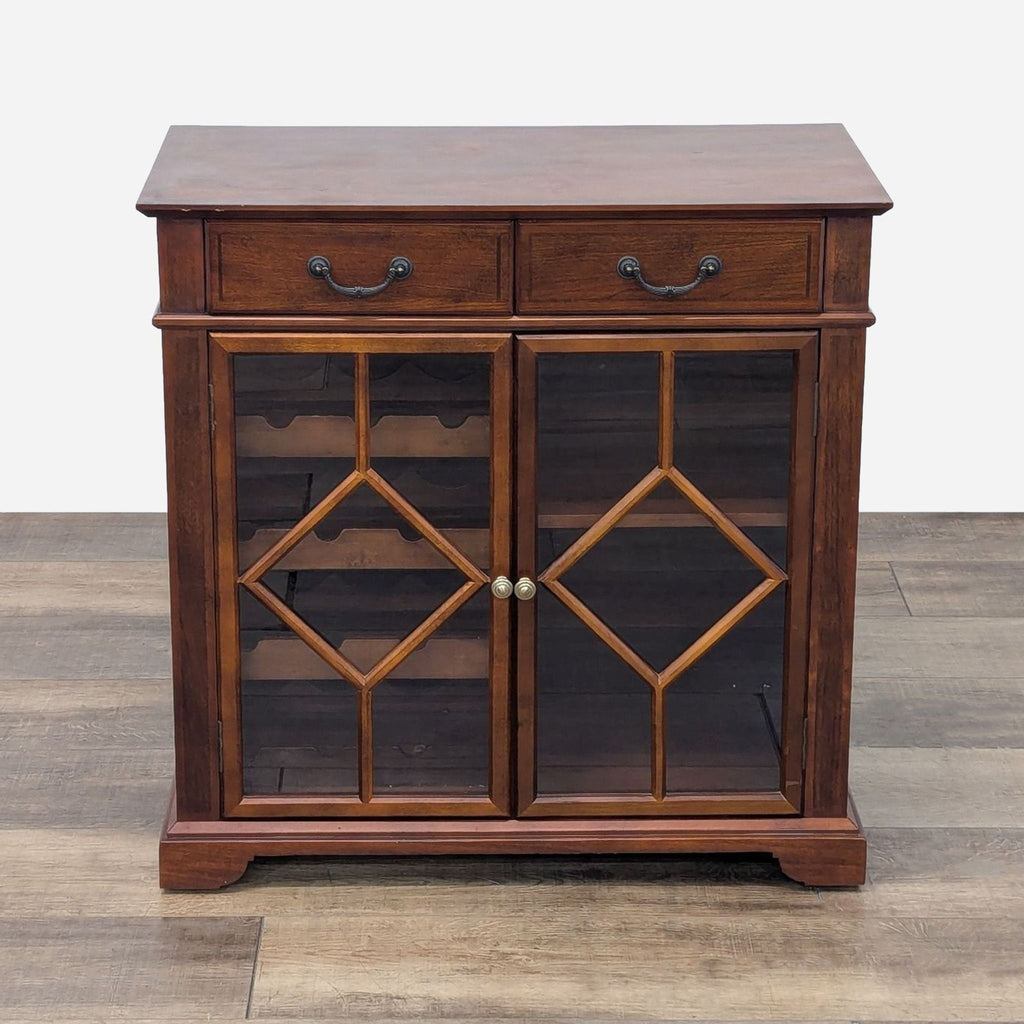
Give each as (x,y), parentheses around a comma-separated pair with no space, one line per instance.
(182,278)
(834,570)
(191,557)
(847,263)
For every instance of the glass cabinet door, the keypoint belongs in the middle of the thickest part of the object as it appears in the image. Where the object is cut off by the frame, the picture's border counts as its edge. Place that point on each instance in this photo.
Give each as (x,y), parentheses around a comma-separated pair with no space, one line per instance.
(364,496)
(661,665)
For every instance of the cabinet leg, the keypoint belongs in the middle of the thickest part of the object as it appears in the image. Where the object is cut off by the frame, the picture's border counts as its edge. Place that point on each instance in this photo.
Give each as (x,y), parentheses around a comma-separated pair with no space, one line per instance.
(196,865)
(825,861)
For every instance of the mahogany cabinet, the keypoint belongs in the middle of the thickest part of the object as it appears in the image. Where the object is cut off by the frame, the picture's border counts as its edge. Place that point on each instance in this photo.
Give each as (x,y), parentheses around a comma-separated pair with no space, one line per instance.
(512,490)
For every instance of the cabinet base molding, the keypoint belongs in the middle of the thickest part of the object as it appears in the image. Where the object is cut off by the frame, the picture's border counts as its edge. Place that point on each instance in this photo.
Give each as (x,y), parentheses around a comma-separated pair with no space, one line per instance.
(212,854)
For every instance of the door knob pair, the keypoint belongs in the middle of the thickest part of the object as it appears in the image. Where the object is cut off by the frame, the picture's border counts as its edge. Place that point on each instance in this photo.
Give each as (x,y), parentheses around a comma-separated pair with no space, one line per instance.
(504,588)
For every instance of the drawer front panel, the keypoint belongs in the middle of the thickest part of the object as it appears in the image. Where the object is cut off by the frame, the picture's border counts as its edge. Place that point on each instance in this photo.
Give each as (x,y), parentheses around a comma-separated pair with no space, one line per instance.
(260,267)
(767,265)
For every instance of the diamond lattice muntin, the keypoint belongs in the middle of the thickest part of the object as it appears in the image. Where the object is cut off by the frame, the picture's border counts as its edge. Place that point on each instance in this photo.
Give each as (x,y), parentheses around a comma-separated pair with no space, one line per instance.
(665,475)
(259,581)
(259,577)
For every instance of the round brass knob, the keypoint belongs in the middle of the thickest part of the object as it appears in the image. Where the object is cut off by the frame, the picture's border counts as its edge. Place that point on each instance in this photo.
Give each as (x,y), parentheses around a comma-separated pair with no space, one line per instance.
(525,589)
(501,588)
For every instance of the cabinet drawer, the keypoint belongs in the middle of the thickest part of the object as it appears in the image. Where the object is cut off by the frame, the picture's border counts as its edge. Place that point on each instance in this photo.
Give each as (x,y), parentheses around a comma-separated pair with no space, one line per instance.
(572,267)
(261,267)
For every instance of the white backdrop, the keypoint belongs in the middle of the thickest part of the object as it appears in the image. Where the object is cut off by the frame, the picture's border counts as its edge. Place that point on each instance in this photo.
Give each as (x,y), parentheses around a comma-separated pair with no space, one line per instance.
(930,92)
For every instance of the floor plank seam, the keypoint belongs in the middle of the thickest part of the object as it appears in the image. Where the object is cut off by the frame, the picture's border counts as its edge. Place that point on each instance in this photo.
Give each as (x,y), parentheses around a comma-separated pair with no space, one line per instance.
(899,587)
(255,964)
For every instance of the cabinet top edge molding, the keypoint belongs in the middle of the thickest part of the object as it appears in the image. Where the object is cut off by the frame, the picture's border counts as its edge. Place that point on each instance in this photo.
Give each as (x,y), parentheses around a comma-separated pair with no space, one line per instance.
(208,170)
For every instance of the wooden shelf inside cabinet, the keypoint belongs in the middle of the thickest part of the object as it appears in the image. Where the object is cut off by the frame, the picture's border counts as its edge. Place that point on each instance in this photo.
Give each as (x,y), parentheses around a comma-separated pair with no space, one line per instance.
(401,437)
(365,549)
(512,508)
(443,658)
(742,511)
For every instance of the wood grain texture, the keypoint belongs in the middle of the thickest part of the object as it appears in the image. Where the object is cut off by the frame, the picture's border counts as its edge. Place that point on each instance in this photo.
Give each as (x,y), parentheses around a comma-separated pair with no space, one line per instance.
(902,787)
(86,787)
(942,872)
(53,872)
(926,712)
(84,646)
(191,565)
(104,588)
(591,963)
(501,658)
(57,717)
(934,935)
(121,967)
(507,170)
(878,593)
(847,263)
(834,566)
(75,536)
(942,537)
(941,648)
(814,851)
(800,512)
(513,323)
(981,589)
(180,254)
(226,572)
(261,267)
(525,547)
(567,267)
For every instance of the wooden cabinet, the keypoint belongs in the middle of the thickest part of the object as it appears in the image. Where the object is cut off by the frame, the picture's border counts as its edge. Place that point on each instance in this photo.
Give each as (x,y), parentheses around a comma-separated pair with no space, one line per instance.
(512,508)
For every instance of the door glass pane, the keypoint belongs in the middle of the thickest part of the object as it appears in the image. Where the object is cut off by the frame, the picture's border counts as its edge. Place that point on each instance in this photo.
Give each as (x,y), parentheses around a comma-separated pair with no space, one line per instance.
(294,441)
(732,436)
(597,431)
(298,717)
(364,578)
(368,573)
(597,436)
(684,589)
(732,441)
(431,715)
(431,440)
(593,711)
(723,715)
(662,577)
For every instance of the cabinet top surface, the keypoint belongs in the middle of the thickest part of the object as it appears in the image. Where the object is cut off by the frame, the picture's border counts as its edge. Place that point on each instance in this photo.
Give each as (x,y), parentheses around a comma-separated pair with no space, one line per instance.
(670,169)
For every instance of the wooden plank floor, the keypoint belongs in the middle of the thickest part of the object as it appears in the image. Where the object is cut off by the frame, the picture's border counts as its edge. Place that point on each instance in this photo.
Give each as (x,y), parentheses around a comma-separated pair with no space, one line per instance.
(938,766)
